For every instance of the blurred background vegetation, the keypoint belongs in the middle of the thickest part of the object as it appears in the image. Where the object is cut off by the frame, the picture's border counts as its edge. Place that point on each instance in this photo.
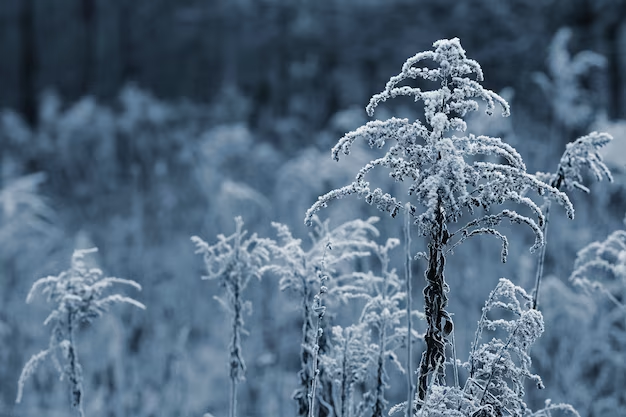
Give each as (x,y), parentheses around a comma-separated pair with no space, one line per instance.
(131,125)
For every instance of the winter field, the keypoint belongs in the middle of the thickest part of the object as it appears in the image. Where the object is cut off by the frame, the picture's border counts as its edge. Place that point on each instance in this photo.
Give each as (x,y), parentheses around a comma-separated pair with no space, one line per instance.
(340,208)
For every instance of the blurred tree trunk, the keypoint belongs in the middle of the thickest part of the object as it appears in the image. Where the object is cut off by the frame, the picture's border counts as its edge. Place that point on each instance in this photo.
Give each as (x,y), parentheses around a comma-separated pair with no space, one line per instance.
(610,28)
(128,67)
(616,34)
(229,28)
(28,62)
(88,11)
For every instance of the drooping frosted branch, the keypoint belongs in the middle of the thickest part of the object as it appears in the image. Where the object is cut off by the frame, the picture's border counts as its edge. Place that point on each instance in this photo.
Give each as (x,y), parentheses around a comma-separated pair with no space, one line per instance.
(582,155)
(601,266)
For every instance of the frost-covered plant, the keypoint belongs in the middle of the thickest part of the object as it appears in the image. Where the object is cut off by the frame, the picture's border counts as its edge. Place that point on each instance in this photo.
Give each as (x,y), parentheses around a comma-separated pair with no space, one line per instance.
(601,266)
(80,296)
(445,178)
(600,269)
(382,313)
(300,270)
(499,368)
(570,101)
(232,262)
(347,364)
(579,157)
(23,212)
(443,401)
(319,309)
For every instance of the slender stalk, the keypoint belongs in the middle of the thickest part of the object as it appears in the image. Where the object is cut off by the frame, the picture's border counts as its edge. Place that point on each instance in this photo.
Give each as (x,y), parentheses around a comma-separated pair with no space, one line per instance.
(344,379)
(235,354)
(319,310)
(237,283)
(378,409)
(74,377)
(542,256)
(407,272)
(305,356)
(556,183)
(456,368)
(379,406)
(479,330)
(316,371)
(233,397)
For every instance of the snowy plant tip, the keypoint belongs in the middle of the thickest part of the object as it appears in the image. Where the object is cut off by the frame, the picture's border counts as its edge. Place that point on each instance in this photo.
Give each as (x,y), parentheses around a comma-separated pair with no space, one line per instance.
(238,251)
(580,155)
(457,89)
(447,178)
(444,108)
(81,287)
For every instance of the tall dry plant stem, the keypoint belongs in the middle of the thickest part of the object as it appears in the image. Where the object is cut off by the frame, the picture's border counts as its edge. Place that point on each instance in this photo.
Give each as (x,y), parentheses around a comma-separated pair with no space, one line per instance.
(409,309)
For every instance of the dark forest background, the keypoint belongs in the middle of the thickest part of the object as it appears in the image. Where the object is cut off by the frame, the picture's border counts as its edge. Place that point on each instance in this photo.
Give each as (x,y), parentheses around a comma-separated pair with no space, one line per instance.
(329,54)
(131,125)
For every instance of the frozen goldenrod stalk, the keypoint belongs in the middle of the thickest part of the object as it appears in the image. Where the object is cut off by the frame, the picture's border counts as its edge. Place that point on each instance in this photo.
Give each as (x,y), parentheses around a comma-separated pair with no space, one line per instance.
(446,177)
(232,262)
(499,368)
(580,156)
(80,296)
(307,273)
(383,315)
(347,363)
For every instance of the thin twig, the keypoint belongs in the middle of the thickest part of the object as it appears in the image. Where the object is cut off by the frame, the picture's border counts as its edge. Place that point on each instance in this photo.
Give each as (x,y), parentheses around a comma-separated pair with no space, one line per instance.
(542,256)
(407,271)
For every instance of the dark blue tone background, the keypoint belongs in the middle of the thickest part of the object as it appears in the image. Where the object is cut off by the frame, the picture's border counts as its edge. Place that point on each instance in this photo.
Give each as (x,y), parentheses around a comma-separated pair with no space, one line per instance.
(131,125)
